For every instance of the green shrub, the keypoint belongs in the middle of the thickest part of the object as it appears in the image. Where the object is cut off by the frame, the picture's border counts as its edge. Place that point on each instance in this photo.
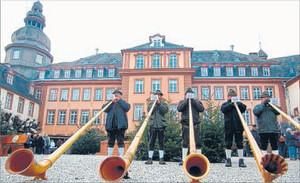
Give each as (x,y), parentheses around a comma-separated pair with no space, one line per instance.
(89,142)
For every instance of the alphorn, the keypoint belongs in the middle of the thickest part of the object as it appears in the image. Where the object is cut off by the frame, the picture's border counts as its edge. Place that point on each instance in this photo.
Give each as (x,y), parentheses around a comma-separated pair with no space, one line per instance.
(114,168)
(270,166)
(297,125)
(22,161)
(195,166)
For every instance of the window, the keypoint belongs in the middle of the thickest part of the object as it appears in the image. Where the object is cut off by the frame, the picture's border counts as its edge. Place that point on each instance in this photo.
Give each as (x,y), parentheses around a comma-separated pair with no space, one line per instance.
(270,91)
(97,121)
(8,101)
(53,94)
(242,71)
(140,62)
(244,93)
(89,73)
(254,71)
(30,109)
(31,90)
(266,71)
(77,73)
(156,42)
(195,92)
(20,105)
(62,117)
(217,71)
(42,75)
(111,73)
(155,64)
(139,86)
(73,117)
(100,73)
(256,93)
(38,94)
(86,94)
(173,85)
(84,117)
(155,85)
(67,73)
(39,59)
(109,94)
(9,79)
(229,71)
(173,61)
(246,116)
(98,94)
(16,54)
(56,73)
(50,117)
(138,109)
(64,95)
(75,94)
(205,93)
(204,71)
(218,93)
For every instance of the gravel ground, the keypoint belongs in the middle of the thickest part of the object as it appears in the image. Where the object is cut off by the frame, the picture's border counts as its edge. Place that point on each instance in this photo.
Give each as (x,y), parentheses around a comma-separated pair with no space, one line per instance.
(84,168)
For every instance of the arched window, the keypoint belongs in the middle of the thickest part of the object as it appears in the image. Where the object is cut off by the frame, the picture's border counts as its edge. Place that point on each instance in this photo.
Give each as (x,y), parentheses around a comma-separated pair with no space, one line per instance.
(155,63)
(173,61)
(140,62)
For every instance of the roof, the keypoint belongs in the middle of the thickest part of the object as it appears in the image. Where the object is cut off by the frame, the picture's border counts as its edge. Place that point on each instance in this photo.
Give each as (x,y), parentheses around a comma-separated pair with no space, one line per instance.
(147,46)
(218,56)
(20,84)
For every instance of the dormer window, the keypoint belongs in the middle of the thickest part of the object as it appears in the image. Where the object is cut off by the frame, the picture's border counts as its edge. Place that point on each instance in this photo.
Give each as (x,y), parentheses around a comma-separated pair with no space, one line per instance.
(157,41)
(100,73)
(67,73)
(254,71)
(42,75)
(77,73)
(89,73)
(56,73)
(266,71)
(31,90)
(111,73)
(9,79)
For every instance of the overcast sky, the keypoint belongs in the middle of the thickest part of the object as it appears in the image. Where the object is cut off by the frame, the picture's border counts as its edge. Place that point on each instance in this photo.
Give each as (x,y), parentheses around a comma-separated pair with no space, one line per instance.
(77,28)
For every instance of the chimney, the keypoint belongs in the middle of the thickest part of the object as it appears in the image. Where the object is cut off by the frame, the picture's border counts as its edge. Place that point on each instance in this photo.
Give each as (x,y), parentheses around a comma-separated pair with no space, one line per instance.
(232,46)
(97,49)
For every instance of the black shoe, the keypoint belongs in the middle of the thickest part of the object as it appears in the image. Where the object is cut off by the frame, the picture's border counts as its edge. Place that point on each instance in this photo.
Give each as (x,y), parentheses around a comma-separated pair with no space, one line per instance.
(180,163)
(241,163)
(149,162)
(228,163)
(126,176)
(162,162)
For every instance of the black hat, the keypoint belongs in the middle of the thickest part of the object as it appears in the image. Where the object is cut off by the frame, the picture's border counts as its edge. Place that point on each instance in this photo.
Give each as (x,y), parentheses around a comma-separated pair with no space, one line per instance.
(265,94)
(231,92)
(158,92)
(254,125)
(189,90)
(118,91)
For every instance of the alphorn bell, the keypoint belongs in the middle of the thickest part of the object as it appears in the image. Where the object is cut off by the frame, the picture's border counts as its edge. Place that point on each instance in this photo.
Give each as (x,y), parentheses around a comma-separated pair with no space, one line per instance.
(22,161)
(297,125)
(114,168)
(195,166)
(270,166)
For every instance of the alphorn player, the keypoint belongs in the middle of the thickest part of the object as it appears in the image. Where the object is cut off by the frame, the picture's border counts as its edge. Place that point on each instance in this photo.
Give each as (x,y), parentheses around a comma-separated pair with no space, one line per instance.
(183,107)
(157,125)
(268,128)
(116,122)
(233,127)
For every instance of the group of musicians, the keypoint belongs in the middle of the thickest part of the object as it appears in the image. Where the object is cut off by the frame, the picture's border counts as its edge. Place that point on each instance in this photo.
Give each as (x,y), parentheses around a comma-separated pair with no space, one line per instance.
(117,124)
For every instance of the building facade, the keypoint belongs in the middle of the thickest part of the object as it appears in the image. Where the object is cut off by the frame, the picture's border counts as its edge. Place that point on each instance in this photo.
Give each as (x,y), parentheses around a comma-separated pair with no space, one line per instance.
(68,94)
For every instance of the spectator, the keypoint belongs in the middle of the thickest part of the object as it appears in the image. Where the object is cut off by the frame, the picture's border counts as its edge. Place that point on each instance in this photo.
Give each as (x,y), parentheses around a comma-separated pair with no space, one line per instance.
(297,143)
(52,146)
(290,143)
(40,144)
(58,143)
(28,142)
(281,145)
(46,144)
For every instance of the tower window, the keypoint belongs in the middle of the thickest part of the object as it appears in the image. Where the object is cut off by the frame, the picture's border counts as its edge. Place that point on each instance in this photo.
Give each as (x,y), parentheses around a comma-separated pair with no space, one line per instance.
(39,59)
(16,54)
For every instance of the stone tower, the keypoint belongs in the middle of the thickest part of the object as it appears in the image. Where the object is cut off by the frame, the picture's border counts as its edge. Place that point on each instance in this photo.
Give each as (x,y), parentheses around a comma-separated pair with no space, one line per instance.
(30,47)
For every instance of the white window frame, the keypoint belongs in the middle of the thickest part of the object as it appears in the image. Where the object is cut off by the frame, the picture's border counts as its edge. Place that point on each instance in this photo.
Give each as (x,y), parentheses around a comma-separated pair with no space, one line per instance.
(270,91)
(173,61)
(256,93)
(100,73)
(50,117)
(244,93)
(139,86)
(246,116)
(266,71)
(64,95)
(156,61)
(31,90)
(39,58)
(62,117)
(254,71)
(111,73)
(75,94)
(56,73)
(9,79)
(242,71)
(67,73)
(86,94)
(138,111)
(219,94)
(155,85)
(78,73)
(30,109)
(205,93)
(42,75)
(173,85)
(84,117)
(229,71)
(204,71)
(73,117)
(53,95)
(98,94)
(97,120)
(16,55)
(109,95)
(140,62)
(89,73)
(217,71)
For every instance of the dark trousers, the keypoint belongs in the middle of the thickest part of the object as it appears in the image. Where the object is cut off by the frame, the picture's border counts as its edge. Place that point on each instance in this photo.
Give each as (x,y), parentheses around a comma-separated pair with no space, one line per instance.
(265,138)
(186,136)
(160,133)
(238,136)
(113,134)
